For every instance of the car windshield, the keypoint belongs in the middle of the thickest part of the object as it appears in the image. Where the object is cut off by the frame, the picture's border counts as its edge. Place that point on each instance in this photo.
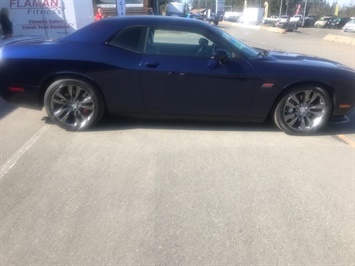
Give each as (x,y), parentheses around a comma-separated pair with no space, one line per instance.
(325,18)
(245,49)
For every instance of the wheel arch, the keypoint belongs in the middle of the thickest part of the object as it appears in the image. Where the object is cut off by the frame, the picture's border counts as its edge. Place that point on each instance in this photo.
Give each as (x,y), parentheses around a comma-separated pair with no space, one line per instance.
(48,80)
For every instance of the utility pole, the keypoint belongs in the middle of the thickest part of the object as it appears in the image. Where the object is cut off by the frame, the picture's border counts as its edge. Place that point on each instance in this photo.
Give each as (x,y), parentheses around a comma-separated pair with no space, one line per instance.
(304,13)
(287,2)
(280,10)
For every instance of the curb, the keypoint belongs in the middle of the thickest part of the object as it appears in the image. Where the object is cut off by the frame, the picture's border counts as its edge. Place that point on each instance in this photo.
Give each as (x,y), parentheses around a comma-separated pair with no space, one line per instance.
(274,29)
(340,39)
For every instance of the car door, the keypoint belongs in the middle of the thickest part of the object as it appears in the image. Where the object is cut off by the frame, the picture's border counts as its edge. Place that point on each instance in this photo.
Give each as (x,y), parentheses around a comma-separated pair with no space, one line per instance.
(178,78)
(119,79)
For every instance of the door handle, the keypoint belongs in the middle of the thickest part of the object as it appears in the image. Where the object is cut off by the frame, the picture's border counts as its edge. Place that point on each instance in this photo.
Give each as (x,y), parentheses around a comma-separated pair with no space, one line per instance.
(176,73)
(152,64)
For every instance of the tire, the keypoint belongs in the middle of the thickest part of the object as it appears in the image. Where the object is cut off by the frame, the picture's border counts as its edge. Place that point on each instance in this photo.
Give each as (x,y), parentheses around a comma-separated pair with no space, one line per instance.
(303,110)
(73,104)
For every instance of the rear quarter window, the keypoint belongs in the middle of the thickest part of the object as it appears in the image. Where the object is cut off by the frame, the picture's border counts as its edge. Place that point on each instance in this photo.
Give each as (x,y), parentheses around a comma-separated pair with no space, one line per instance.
(131,39)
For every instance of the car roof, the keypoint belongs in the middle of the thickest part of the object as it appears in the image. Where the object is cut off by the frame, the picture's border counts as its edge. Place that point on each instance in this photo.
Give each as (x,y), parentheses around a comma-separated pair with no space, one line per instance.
(103,29)
(22,39)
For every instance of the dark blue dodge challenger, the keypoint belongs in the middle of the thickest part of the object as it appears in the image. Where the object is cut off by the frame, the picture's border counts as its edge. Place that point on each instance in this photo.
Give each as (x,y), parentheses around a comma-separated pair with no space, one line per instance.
(172,67)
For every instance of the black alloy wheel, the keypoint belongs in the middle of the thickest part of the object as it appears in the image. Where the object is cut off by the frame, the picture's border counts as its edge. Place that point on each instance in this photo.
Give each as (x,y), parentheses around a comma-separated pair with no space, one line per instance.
(73,104)
(303,110)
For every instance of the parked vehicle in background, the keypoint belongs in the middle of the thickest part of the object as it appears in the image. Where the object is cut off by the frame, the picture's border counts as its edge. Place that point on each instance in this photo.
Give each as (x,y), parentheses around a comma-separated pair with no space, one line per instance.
(298,19)
(323,22)
(337,23)
(286,24)
(204,14)
(231,16)
(214,19)
(232,19)
(271,20)
(284,19)
(350,26)
(310,20)
(177,9)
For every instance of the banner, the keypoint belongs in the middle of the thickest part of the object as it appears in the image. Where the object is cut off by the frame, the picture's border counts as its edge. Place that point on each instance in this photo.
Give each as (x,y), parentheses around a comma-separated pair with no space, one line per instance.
(121,8)
(220,5)
(336,11)
(50,18)
(298,9)
(266,12)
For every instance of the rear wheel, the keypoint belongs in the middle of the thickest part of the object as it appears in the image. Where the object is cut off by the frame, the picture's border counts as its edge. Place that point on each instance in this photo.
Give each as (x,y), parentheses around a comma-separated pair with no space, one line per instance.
(73,104)
(303,110)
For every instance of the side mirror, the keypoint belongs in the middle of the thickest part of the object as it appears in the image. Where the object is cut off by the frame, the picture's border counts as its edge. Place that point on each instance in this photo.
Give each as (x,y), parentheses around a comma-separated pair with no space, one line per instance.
(221,56)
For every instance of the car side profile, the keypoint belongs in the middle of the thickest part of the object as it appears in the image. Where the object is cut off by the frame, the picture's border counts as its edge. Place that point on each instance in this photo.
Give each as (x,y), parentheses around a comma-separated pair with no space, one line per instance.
(155,66)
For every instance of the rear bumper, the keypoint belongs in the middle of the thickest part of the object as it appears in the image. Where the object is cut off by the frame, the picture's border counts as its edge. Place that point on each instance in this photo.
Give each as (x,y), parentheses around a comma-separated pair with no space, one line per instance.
(28,97)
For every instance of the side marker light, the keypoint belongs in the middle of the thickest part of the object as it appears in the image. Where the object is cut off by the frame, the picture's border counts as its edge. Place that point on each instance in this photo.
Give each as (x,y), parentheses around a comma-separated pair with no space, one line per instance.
(16,89)
(345,106)
(267,85)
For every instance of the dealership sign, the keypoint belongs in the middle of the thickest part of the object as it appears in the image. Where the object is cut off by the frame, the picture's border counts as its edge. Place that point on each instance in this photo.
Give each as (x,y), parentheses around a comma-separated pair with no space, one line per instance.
(50,18)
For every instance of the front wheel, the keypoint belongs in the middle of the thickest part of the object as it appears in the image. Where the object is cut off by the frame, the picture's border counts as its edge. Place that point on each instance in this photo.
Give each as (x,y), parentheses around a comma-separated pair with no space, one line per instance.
(73,104)
(303,110)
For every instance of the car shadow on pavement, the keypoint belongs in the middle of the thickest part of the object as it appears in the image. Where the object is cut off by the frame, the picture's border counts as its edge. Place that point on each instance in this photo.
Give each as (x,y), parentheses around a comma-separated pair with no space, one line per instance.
(336,129)
(113,124)
(123,123)
(5,108)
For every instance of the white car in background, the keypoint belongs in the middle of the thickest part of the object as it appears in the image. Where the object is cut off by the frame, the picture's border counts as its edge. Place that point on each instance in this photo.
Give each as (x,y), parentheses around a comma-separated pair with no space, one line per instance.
(350,26)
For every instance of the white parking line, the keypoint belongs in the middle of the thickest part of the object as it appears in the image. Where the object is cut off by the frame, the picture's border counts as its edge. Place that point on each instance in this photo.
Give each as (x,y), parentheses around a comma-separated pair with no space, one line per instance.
(20,152)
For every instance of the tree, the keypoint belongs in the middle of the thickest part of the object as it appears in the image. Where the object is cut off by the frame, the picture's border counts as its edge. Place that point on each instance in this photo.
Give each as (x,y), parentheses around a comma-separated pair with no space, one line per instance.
(235,5)
(347,11)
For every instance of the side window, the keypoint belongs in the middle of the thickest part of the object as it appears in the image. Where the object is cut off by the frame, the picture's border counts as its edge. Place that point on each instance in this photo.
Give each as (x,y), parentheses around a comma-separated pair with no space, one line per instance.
(175,42)
(176,37)
(131,39)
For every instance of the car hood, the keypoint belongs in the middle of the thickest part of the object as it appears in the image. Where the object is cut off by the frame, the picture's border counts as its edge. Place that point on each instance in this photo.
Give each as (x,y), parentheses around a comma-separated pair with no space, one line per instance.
(301,59)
